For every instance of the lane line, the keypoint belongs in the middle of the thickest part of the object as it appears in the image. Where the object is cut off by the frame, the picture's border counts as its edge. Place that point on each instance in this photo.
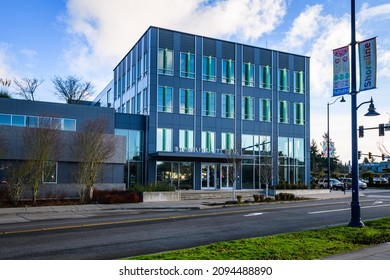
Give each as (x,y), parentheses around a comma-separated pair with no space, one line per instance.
(346,209)
(253,214)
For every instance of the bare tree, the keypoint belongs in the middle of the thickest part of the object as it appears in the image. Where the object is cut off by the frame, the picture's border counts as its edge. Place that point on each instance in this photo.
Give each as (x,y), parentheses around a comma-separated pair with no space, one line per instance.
(233,159)
(72,89)
(16,180)
(265,172)
(4,85)
(42,146)
(93,147)
(26,87)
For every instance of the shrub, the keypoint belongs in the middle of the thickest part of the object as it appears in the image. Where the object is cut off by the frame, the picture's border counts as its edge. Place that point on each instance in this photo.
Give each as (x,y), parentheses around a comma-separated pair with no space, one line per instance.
(239,198)
(258,197)
(284,196)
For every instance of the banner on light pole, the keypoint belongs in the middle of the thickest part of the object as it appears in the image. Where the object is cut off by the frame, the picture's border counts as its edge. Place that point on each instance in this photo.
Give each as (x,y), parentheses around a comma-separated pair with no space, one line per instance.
(341,73)
(367,61)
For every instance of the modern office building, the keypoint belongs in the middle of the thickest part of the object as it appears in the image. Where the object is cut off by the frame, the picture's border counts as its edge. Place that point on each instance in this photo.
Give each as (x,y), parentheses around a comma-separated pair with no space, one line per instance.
(59,177)
(216,114)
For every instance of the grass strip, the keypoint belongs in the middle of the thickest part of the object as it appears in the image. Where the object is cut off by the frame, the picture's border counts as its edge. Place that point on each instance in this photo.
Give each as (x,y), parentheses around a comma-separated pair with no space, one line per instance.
(303,245)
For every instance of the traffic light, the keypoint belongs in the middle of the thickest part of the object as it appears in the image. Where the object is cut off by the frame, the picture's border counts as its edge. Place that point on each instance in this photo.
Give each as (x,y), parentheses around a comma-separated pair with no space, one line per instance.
(361,131)
(382,129)
(369,155)
(383,157)
(359,154)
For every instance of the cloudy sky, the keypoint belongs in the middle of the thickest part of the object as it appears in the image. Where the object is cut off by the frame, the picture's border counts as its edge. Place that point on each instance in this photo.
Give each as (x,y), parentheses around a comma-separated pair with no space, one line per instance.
(87,38)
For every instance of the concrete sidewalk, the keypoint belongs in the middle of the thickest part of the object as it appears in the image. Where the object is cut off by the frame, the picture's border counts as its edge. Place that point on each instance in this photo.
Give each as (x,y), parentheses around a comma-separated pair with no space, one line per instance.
(29,214)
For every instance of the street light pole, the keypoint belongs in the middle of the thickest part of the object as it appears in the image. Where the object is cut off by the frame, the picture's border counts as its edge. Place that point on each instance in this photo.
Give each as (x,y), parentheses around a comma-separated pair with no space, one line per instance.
(328,138)
(356,220)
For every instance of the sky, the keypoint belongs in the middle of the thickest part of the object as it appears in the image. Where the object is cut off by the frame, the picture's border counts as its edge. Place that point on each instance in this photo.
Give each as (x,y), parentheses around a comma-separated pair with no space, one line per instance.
(87,38)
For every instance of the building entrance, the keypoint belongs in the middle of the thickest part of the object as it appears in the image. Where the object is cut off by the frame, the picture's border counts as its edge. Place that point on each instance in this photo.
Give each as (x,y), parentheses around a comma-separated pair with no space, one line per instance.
(209,175)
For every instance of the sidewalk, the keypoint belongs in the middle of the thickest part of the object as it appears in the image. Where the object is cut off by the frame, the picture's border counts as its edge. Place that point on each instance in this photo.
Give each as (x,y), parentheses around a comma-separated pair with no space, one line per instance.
(28,214)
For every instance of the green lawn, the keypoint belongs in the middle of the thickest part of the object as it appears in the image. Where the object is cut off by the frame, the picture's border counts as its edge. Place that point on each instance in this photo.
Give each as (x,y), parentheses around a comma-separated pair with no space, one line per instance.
(304,245)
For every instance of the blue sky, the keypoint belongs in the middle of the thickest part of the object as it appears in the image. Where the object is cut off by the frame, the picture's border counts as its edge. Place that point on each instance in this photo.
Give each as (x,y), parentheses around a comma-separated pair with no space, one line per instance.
(87,38)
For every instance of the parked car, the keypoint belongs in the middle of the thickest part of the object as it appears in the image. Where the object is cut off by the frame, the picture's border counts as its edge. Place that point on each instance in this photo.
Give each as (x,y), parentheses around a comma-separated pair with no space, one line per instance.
(334,184)
(348,183)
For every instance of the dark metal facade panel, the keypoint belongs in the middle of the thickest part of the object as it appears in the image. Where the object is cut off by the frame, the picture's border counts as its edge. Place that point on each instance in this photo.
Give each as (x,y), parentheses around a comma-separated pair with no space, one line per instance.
(228,50)
(187,43)
(248,54)
(209,47)
(165,39)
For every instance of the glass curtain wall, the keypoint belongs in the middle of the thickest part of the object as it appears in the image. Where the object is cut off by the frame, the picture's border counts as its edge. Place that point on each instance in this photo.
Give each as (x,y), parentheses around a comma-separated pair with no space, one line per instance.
(134,150)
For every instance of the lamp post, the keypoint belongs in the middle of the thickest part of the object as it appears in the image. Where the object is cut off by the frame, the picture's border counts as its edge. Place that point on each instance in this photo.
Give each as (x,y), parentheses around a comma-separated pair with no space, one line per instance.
(356,220)
(328,140)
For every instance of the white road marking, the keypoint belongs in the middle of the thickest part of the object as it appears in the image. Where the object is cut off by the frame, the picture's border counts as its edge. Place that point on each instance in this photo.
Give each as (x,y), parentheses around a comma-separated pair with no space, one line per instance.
(346,209)
(253,214)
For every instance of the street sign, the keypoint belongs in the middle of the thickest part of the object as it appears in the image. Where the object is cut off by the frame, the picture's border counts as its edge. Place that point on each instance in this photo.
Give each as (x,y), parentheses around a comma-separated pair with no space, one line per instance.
(387,126)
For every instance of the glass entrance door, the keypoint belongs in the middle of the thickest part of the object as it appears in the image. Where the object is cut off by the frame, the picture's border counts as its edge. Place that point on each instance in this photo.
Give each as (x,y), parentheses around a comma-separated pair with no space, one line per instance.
(225,176)
(208,176)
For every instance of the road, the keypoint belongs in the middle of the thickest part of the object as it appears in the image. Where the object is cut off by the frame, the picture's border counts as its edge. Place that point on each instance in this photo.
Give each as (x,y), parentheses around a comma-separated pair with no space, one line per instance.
(126,233)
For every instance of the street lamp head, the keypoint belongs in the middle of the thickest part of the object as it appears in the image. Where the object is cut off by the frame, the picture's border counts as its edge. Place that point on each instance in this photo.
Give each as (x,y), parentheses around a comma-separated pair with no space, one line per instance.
(371,110)
(342,99)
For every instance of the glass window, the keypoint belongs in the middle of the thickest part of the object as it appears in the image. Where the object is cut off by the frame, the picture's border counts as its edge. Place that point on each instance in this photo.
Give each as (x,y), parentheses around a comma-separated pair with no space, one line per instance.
(135,145)
(209,67)
(69,125)
(146,62)
(299,115)
(265,77)
(227,141)
(164,139)
(248,108)
(165,62)
(247,144)
(299,82)
(18,120)
(208,141)
(283,80)
(139,101)
(31,121)
(165,102)
(139,68)
(187,97)
(299,151)
(264,145)
(187,65)
(186,178)
(164,171)
(248,74)
(208,103)
(186,140)
(132,105)
(50,172)
(228,106)
(228,71)
(283,111)
(145,100)
(265,109)
(133,75)
(5,119)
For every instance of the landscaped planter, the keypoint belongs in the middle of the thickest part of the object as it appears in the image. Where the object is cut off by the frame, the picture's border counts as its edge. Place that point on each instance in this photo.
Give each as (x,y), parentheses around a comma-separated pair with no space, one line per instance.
(161,196)
(296,192)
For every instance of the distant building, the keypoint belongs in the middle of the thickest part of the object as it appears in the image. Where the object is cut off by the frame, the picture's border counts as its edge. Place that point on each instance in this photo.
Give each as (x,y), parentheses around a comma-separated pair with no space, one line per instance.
(211,110)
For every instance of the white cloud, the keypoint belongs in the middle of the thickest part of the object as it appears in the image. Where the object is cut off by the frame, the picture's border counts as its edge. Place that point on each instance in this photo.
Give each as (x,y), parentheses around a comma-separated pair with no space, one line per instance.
(101,32)
(304,28)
